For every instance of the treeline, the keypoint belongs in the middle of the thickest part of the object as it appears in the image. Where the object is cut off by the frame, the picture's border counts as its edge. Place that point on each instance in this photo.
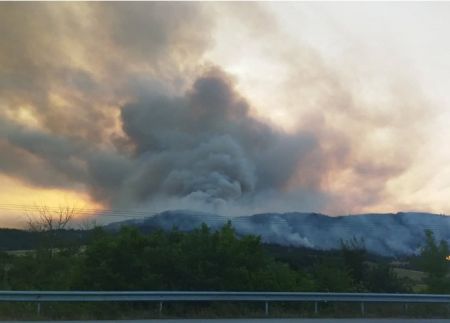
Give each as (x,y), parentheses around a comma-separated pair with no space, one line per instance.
(205,259)
(15,239)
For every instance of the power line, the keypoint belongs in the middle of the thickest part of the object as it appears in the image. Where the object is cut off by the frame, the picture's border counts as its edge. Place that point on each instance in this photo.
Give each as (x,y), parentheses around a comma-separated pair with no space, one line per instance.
(77,210)
(136,214)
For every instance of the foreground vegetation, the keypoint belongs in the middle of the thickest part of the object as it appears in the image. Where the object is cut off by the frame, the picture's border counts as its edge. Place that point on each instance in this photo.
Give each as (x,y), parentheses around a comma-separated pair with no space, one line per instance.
(209,260)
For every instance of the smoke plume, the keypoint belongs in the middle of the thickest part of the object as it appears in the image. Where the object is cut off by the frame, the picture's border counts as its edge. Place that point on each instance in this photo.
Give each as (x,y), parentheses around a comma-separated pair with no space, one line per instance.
(120,100)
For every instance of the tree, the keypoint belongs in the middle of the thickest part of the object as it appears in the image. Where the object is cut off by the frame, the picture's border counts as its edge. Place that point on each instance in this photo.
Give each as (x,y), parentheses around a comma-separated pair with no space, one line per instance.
(330,276)
(42,218)
(48,222)
(202,259)
(354,254)
(433,262)
(381,278)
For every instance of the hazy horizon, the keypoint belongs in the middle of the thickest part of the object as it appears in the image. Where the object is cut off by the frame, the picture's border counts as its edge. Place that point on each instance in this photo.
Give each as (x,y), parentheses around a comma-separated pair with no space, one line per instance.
(228,108)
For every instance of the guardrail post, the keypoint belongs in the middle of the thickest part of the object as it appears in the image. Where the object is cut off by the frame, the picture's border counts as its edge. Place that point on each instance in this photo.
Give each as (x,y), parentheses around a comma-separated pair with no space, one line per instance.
(160,308)
(267,308)
(38,309)
(362,308)
(316,308)
(406,307)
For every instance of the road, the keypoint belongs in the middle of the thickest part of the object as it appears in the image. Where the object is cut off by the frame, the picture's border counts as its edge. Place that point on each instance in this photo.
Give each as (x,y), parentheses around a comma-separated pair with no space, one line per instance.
(360,320)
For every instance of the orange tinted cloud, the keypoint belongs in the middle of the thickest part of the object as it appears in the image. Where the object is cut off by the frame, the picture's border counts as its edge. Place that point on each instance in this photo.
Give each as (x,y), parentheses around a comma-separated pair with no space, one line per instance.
(221,107)
(17,199)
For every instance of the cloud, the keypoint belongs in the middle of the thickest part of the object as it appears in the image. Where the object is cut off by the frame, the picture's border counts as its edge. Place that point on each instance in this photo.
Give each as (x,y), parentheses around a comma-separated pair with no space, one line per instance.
(122,99)
(203,147)
(206,145)
(71,65)
(369,117)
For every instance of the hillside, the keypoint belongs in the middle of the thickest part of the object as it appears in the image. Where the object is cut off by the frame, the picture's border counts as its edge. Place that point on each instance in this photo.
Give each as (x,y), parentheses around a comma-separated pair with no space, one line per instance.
(385,234)
(392,235)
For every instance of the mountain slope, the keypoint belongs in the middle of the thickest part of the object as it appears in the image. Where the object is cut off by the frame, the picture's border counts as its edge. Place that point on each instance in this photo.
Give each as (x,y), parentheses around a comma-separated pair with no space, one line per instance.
(385,234)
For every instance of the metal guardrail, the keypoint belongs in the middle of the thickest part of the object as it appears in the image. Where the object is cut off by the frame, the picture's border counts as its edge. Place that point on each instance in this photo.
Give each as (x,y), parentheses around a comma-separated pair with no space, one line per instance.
(162,296)
(266,297)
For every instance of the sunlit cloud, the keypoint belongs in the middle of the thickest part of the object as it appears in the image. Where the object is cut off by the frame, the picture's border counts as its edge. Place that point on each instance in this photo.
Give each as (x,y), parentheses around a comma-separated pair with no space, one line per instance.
(225,107)
(19,200)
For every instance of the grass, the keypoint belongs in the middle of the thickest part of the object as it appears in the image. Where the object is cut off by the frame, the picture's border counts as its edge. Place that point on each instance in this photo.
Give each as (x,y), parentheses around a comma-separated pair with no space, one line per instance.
(20,252)
(415,275)
(148,310)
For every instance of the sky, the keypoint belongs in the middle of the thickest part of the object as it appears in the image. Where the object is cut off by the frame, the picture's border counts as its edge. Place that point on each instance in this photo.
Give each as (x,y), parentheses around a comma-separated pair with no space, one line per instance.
(229,108)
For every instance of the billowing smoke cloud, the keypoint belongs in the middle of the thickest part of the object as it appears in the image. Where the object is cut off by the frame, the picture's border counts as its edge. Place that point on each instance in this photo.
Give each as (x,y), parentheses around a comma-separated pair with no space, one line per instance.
(369,120)
(119,99)
(203,147)
(67,67)
(206,146)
